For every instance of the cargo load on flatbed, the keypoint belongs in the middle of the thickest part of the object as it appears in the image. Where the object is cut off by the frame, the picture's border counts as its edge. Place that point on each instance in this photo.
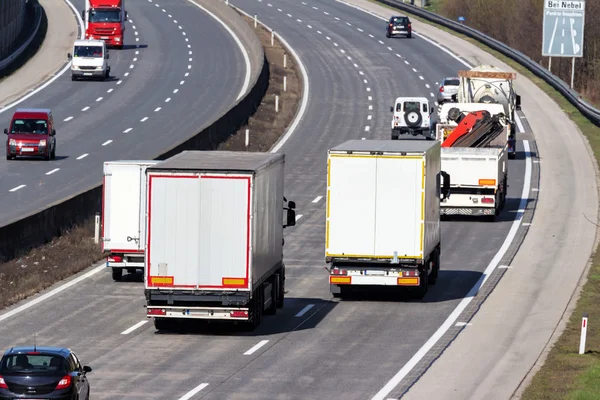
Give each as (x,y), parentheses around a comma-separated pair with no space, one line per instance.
(383,213)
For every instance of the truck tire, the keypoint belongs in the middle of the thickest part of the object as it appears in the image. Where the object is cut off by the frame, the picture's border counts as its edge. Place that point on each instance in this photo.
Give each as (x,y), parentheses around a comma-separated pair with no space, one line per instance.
(255,310)
(281,287)
(274,290)
(117,274)
(421,290)
(433,275)
(163,324)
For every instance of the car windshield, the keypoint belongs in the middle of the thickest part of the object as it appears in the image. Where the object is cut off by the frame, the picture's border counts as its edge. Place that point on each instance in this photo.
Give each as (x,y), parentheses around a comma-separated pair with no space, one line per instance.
(451,82)
(37,364)
(399,21)
(87,51)
(38,126)
(105,15)
(411,106)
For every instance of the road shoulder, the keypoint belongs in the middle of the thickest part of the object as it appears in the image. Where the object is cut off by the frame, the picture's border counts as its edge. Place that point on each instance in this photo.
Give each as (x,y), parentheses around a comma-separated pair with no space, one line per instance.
(49,59)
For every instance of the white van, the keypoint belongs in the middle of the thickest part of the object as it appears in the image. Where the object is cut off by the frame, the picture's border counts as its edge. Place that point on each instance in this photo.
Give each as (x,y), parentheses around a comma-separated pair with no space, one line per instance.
(89,60)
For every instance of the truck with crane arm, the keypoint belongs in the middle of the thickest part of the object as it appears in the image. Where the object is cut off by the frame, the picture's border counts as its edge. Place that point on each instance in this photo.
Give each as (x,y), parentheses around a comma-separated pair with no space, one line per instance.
(105,20)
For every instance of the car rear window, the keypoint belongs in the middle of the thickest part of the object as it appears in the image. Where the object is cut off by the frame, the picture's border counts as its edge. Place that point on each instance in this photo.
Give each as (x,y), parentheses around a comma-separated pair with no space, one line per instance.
(30,126)
(400,21)
(452,82)
(412,106)
(41,364)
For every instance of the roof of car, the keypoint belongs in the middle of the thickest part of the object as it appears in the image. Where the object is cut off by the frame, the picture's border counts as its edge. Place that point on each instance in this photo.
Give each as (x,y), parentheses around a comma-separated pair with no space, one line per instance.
(89,42)
(42,349)
(398,16)
(33,111)
(420,99)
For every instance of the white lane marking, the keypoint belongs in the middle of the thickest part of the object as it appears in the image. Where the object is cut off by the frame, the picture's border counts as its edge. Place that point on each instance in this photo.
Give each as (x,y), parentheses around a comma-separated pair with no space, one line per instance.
(135,33)
(127,130)
(269,5)
(59,74)
(414,70)
(520,126)
(134,59)
(368,89)
(68,119)
(348,23)
(360,30)
(355,65)
(505,266)
(315,8)
(367,128)
(370,98)
(59,289)
(289,15)
(168,99)
(364,80)
(182,82)
(157,109)
(335,44)
(406,62)
(371,35)
(421,78)
(398,55)
(163,10)
(192,392)
(85,108)
(298,217)
(109,141)
(119,82)
(175,91)
(431,94)
(337,18)
(427,85)
(126,74)
(381,42)
(390,49)
(437,83)
(189,47)
(170,16)
(189,67)
(240,45)
(325,12)
(327,37)
(14,190)
(317,199)
(137,52)
(463,324)
(99,98)
(131,66)
(81,157)
(299,20)
(405,370)
(305,310)
(190,53)
(137,39)
(144,119)
(369,117)
(319,32)
(279,9)
(53,171)
(343,51)
(370,107)
(110,90)
(256,347)
(361,73)
(180,27)
(133,328)
(187,74)
(187,40)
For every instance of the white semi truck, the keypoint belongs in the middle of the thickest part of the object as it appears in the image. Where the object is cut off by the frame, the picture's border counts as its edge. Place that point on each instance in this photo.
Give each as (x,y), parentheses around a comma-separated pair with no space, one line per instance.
(124,214)
(383,214)
(214,238)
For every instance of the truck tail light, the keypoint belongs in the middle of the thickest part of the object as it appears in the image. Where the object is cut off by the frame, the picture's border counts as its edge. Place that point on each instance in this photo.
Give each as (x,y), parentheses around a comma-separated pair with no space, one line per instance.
(64,383)
(2,383)
(487,182)
(238,314)
(337,271)
(487,200)
(156,311)
(113,258)
(410,273)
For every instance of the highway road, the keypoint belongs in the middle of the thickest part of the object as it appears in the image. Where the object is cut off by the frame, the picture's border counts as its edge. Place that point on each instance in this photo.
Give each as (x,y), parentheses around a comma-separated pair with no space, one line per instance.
(162,89)
(315,347)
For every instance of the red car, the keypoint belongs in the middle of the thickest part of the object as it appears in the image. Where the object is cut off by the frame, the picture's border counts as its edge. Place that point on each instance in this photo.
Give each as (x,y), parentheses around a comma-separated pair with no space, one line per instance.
(31,134)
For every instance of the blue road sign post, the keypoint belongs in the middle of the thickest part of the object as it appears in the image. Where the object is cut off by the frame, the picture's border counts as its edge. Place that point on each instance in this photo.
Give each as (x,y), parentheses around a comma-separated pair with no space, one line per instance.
(563,27)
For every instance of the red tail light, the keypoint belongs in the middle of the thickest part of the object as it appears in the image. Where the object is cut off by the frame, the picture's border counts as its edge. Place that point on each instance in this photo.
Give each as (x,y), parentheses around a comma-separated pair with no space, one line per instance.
(113,258)
(441,89)
(239,314)
(337,271)
(391,24)
(2,383)
(64,383)
(487,200)
(156,311)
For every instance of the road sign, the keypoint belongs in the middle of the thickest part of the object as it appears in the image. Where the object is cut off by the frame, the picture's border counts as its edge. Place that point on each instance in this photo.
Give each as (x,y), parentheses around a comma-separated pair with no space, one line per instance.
(563,28)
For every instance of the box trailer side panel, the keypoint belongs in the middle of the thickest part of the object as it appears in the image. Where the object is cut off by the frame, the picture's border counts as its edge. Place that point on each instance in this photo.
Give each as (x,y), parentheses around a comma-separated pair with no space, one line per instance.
(267,221)
(350,220)
(123,206)
(399,204)
(433,192)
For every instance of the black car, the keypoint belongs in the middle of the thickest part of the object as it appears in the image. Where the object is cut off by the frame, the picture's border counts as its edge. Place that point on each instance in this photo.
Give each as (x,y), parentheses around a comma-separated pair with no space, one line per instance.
(398,25)
(43,373)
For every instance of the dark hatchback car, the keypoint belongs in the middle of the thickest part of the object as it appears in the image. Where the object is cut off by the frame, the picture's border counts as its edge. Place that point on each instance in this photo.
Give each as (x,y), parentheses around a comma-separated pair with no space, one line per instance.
(398,25)
(42,373)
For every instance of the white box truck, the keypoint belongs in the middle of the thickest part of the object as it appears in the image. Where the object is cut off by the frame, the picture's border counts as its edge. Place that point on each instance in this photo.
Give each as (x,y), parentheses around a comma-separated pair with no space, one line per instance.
(383,214)
(124,214)
(214,242)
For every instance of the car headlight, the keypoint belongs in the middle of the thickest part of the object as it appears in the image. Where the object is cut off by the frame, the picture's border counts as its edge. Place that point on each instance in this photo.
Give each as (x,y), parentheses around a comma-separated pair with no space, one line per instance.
(12,142)
(42,143)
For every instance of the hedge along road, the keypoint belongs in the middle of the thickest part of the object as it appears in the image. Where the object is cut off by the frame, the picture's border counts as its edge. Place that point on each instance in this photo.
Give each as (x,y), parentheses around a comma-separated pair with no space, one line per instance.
(161,74)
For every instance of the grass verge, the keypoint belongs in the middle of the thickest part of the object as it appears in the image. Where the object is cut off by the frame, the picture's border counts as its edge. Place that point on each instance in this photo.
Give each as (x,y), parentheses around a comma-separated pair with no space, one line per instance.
(565,374)
(33,47)
(75,250)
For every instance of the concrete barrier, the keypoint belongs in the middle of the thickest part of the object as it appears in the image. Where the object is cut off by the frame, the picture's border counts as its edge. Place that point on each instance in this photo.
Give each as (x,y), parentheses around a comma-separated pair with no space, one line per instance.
(41,227)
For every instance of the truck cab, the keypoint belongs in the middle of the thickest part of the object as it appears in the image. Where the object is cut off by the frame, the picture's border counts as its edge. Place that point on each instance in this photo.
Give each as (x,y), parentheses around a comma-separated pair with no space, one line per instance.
(31,133)
(412,115)
(105,20)
(89,60)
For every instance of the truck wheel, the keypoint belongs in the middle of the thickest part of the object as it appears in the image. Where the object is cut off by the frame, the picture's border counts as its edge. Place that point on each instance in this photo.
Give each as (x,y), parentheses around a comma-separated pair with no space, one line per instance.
(421,290)
(433,275)
(255,311)
(117,274)
(163,324)
(280,288)
(274,289)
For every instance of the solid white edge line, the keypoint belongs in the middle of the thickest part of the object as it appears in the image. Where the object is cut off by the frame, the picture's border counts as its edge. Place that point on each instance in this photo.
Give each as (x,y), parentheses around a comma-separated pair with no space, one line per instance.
(134,327)
(396,379)
(520,124)
(59,74)
(256,347)
(239,43)
(192,392)
(52,292)
(305,89)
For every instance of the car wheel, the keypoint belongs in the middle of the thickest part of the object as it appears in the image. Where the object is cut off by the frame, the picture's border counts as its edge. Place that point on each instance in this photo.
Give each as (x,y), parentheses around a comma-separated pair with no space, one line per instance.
(409,35)
(53,154)
(8,157)
(73,78)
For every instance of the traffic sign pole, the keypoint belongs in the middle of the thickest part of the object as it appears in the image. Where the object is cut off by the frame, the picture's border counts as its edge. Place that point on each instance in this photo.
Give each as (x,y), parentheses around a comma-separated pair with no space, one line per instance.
(572,72)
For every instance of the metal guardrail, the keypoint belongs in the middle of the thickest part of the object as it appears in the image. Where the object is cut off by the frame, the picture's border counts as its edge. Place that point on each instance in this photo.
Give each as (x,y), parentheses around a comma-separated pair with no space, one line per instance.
(589,111)
(38,22)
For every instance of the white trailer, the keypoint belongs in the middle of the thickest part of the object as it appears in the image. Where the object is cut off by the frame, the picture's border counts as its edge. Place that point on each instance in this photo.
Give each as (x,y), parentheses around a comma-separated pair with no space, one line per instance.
(124,214)
(214,237)
(383,214)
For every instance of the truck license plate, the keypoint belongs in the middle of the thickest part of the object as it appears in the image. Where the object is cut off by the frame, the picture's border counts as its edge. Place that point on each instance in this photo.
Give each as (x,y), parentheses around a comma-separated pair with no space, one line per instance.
(103,37)
(27,149)
(197,312)
(374,272)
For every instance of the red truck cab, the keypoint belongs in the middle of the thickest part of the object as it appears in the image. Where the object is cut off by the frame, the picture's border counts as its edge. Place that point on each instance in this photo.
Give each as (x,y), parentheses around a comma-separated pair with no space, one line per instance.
(31,134)
(105,20)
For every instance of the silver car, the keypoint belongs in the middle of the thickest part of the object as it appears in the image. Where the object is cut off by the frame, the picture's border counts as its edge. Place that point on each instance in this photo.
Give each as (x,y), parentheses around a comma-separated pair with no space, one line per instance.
(448,87)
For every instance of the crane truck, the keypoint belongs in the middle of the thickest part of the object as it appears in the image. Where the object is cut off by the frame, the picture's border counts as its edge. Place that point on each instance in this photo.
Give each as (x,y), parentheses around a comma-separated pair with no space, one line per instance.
(105,20)
(214,237)
(489,84)
(383,214)
(474,152)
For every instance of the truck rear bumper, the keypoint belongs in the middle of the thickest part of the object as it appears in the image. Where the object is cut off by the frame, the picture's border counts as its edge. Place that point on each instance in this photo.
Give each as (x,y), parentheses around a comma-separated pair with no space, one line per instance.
(375,280)
(124,264)
(473,211)
(214,313)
